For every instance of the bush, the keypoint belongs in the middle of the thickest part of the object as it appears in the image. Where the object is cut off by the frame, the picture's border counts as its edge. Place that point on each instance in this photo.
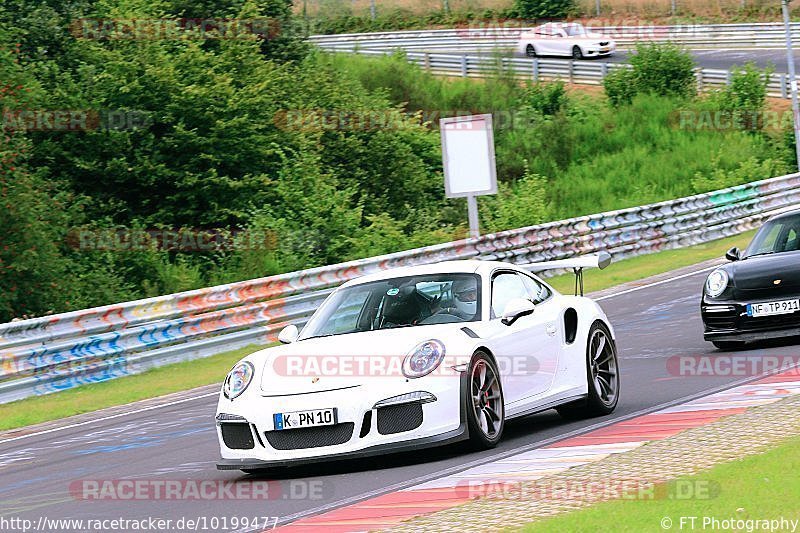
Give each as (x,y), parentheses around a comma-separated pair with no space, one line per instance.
(746,96)
(664,69)
(661,69)
(749,170)
(544,8)
(620,87)
(519,204)
(546,98)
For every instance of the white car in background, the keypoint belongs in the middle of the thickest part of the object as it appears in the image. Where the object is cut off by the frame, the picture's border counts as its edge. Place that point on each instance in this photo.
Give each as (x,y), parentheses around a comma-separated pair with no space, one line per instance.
(416,357)
(564,39)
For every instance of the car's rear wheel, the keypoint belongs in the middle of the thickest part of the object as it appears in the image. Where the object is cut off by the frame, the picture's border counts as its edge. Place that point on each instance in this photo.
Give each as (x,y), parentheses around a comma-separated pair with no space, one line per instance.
(485,407)
(577,53)
(602,373)
(530,51)
(728,345)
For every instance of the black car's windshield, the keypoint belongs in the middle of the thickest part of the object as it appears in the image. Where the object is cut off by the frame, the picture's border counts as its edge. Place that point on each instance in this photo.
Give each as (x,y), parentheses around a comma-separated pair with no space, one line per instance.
(776,236)
(398,302)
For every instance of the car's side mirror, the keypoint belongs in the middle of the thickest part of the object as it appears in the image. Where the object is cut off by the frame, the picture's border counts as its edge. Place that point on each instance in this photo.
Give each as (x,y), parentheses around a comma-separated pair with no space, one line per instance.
(288,334)
(733,254)
(516,308)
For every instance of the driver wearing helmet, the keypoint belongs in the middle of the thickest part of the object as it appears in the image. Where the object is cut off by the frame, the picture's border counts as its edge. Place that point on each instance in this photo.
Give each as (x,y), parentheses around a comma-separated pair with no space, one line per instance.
(465,298)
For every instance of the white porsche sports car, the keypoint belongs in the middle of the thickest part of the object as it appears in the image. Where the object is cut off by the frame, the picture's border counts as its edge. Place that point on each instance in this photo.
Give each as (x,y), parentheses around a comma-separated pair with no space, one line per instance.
(560,39)
(415,357)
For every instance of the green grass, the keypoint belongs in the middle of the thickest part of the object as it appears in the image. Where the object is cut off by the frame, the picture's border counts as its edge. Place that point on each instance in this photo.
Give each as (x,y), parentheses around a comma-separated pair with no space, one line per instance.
(759,487)
(155,382)
(649,265)
(189,374)
(593,157)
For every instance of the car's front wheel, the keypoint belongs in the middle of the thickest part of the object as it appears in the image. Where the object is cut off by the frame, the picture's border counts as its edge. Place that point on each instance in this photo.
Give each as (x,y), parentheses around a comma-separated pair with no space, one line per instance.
(602,372)
(530,51)
(577,53)
(485,408)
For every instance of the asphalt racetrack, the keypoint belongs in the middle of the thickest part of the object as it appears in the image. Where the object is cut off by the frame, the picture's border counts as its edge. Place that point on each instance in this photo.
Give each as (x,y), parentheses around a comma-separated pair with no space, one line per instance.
(44,476)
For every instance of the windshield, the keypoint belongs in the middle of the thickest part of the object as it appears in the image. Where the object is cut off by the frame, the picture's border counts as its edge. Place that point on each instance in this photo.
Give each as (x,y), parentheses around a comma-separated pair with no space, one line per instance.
(398,302)
(575,30)
(777,236)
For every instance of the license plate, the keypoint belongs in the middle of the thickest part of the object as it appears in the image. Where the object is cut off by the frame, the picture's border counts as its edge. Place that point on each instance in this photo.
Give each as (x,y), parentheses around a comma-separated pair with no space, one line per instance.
(773,308)
(305,419)
(605,49)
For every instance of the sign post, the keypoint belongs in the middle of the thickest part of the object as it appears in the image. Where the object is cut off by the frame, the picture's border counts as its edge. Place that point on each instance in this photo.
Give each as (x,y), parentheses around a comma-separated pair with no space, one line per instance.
(468,160)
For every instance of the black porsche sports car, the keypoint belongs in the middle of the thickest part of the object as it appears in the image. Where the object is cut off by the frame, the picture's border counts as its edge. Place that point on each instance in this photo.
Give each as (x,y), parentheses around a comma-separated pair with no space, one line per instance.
(757,295)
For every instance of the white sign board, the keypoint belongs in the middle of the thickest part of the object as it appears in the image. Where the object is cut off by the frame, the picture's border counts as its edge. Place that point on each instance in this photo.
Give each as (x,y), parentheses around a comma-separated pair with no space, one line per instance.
(468,156)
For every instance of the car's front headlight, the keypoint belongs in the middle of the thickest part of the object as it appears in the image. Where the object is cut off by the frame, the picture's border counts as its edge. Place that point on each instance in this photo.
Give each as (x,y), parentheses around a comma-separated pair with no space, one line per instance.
(423,359)
(238,379)
(717,282)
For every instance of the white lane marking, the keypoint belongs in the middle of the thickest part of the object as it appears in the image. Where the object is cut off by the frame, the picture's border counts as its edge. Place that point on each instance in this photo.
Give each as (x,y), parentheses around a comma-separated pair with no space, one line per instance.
(110,417)
(676,278)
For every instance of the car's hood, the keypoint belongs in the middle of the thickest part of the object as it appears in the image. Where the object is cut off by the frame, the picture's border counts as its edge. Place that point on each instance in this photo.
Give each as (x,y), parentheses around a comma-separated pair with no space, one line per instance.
(761,271)
(339,361)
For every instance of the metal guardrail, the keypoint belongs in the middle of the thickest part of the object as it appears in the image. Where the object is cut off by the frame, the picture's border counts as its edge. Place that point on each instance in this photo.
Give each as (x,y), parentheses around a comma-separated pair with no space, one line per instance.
(469,51)
(48,354)
(536,69)
(490,37)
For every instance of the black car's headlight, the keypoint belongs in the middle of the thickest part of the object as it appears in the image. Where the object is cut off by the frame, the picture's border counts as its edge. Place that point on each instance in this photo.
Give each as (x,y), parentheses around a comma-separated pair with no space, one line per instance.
(238,379)
(717,282)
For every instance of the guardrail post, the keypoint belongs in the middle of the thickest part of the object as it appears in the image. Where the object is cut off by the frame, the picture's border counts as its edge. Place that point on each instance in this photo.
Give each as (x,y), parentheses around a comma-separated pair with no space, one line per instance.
(426,61)
(535,70)
(604,70)
(784,90)
(728,78)
(464,66)
(571,69)
(698,73)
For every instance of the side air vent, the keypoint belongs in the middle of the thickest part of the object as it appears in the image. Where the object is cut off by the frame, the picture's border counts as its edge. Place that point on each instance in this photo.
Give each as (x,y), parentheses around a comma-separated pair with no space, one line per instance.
(570,325)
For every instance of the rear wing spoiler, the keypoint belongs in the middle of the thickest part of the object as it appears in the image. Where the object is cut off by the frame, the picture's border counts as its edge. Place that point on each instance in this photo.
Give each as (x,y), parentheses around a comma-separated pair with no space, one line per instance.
(576,264)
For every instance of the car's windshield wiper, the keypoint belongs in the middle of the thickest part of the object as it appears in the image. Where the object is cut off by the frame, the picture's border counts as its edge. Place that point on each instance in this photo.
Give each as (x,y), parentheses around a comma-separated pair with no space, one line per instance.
(763,253)
(319,336)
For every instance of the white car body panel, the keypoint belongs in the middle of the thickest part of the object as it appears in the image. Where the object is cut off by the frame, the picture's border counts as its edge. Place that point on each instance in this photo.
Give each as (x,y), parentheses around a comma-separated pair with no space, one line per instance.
(551,39)
(539,339)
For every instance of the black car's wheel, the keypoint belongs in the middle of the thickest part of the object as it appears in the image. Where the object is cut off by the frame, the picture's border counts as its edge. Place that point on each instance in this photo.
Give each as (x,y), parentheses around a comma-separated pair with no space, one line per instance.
(485,408)
(728,345)
(602,372)
(530,51)
(577,53)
